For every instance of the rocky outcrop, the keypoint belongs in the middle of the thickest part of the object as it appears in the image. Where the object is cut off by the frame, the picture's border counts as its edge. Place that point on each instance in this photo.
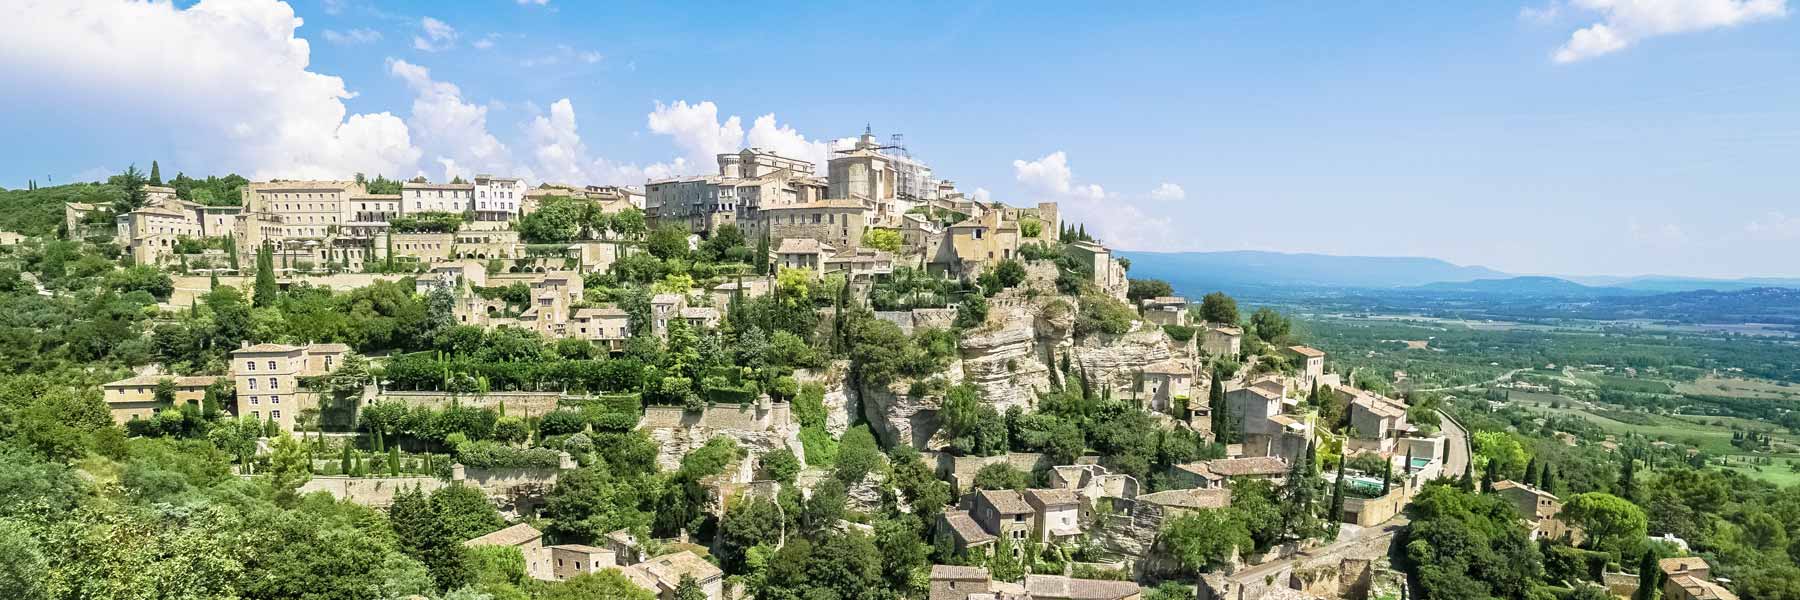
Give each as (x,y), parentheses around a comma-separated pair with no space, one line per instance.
(757,430)
(1006,364)
(896,416)
(840,400)
(1115,360)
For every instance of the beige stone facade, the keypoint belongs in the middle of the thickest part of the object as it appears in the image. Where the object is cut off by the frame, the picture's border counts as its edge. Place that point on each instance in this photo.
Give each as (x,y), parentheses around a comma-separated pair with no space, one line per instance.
(267,377)
(135,398)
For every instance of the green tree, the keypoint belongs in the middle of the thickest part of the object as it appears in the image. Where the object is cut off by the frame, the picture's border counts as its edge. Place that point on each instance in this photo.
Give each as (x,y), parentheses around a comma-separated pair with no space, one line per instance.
(1299,496)
(668,242)
(1649,578)
(290,466)
(1219,308)
(1205,539)
(424,537)
(155,174)
(1001,476)
(265,291)
(608,583)
(1611,523)
(1271,327)
(1141,289)
(886,240)
(465,512)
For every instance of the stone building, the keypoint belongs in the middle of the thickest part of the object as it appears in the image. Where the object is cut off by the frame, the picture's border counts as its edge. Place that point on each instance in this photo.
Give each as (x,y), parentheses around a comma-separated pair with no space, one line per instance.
(1167,384)
(267,377)
(839,223)
(569,560)
(497,198)
(1309,361)
(1164,310)
(424,197)
(662,575)
(1223,340)
(1690,578)
(530,543)
(135,398)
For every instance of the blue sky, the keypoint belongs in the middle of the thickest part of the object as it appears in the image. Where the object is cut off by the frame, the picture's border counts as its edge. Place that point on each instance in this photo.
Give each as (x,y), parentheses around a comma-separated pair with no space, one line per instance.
(1574,136)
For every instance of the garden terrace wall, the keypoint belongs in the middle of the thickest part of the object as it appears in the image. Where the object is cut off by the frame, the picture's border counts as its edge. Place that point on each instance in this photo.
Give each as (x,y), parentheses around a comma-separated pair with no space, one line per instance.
(518,404)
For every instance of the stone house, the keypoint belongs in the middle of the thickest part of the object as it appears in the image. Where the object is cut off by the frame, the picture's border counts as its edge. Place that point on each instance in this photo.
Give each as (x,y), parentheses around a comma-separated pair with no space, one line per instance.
(267,377)
(970,246)
(803,253)
(1377,422)
(1222,340)
(530,543)
(135,398)
(1005,513)
(662,575)
(1058,514)
(663,308)
(1058,587)
(1216,474)
(569,560)
(606,326)
(965,534)
(1164,383)
(952,582)
(1164,310)
(1690,578)
(836,222)
(1309,361)
(1539,509)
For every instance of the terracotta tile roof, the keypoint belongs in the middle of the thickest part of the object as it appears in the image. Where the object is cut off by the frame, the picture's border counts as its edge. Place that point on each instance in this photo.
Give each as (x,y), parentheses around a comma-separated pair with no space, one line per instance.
(1191,499)
(1167,367)
(965,529)
(958,573)
(601,311)
(149,380)
(582,548)
(803,246)
(1669,566)
(266,348)
(1057,587)
(511,536)
(1246,467)
(668,568)
(1235,331)
(1008,502)
(1306,351)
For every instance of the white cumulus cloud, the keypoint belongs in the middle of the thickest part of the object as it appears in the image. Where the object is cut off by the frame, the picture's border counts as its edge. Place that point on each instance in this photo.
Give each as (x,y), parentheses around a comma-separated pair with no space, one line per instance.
(1168,191)
(1626,22)
(226,82)
(450,127)
(352,37)
(769,134)
(434,35)
(1119,222)
(1051,174)
(562,157)
(697,131)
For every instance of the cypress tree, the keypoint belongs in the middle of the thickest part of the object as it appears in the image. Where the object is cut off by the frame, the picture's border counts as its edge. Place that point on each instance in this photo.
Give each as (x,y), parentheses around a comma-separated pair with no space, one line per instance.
(155,174)
(1649,578)
(394,461)
(1336,513)
(1548,482)
(1531,472)
(1628,479)
(345,463)
(265,278)
(1387,476)
(1487,481)
(1468,480)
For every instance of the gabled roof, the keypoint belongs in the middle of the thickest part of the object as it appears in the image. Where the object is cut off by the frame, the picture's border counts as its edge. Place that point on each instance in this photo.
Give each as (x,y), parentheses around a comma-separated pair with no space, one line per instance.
(966,530)
(1227,330)
(1167,367)
(1008,502)
(1247,467)
(1306,351)
(1055,587)
(668,568)
(601,311)
(958,573)
(1195,499)
(803,246)
(582,548)
(1501,486)
(148,380)
(1672,566)
(511,536)
(266,348)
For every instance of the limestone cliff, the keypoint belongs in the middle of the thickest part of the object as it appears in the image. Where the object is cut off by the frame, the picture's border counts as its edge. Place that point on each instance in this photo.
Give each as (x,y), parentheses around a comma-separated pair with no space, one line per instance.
(757,429)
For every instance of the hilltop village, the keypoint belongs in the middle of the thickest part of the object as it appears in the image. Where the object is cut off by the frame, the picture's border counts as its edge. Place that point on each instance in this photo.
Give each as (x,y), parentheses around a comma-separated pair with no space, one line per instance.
(759,383)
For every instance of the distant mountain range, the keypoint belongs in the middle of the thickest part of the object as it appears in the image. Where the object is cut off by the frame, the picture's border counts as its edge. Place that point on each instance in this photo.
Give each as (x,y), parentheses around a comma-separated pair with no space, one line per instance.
(1194,273)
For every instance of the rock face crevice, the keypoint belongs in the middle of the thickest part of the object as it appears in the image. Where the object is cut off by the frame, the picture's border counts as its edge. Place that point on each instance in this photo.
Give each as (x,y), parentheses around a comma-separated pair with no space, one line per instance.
(758,429)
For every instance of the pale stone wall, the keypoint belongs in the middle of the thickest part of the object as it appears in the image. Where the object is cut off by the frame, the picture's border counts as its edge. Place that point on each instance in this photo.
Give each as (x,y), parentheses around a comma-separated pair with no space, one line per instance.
(518,404)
